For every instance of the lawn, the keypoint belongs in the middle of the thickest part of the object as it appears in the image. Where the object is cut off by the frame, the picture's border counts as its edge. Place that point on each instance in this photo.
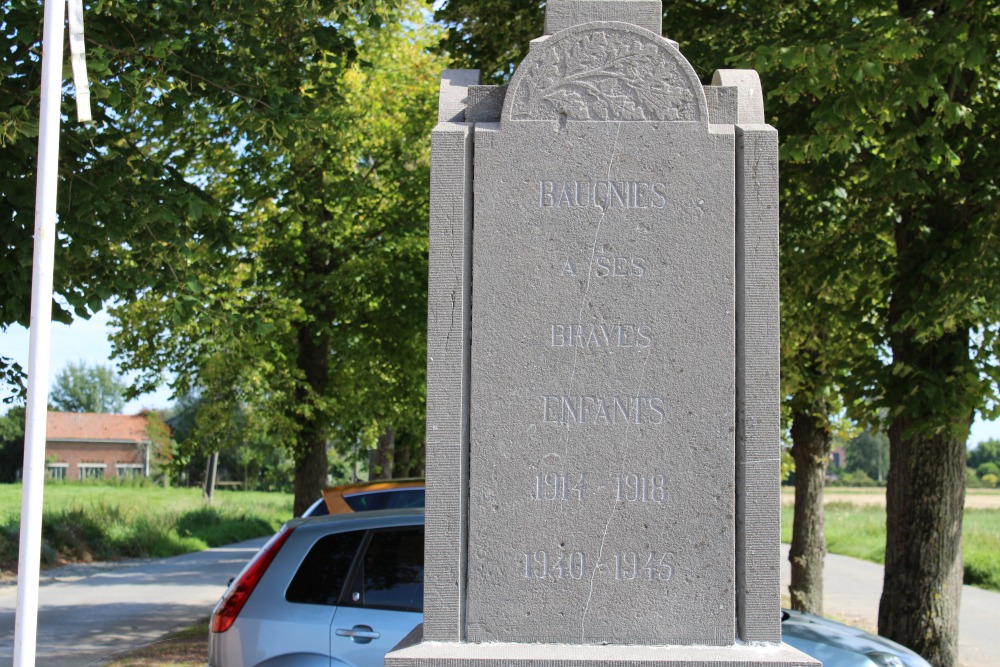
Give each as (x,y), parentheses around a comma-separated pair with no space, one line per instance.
(859,531)
(93,521)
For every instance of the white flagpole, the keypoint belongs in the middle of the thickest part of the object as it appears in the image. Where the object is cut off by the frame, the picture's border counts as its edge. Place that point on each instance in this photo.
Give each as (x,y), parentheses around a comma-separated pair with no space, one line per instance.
(33,476)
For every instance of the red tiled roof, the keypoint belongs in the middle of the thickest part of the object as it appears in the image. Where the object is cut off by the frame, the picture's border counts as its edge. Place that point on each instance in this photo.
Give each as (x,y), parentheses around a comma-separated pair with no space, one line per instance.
(91,426)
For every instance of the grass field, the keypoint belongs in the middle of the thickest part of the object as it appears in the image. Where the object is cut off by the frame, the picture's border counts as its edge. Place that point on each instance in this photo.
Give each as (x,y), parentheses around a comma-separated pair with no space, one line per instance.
(84,522)
(857,529)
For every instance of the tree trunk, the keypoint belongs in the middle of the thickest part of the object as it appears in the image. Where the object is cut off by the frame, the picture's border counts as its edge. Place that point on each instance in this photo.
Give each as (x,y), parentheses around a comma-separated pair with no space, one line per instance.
(811,450)
(380,458)
(925,499)
(932,397)
(311,463)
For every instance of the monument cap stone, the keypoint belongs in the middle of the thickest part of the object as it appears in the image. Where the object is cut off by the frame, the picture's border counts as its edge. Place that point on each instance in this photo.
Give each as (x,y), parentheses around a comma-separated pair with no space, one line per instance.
(562,14)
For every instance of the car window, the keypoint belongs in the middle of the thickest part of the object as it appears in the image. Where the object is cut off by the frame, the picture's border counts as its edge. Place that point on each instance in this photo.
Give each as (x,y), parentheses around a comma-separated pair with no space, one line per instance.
(321,576)
(391,575)
(382,500)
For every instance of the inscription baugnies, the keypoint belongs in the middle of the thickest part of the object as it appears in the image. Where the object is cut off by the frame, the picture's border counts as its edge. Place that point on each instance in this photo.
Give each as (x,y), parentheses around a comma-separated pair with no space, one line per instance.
(566,410)
(601,194)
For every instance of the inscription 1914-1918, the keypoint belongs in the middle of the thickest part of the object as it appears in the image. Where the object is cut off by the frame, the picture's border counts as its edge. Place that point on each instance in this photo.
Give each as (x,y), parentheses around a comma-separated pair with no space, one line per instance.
(625,487)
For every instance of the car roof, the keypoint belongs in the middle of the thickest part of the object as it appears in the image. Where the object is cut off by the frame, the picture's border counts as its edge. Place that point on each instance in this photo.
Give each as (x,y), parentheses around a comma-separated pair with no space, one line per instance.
(333,496)
(360,520)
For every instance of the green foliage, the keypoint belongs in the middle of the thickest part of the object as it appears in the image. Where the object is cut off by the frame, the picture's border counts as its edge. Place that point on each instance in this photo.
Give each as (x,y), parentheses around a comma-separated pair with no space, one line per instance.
(111,521)
(11,443)
(787,464)
(311,323)
(990,480)
(80,387)
(176,88)
(985,452)
(858,478)
(988,468)
(869,453)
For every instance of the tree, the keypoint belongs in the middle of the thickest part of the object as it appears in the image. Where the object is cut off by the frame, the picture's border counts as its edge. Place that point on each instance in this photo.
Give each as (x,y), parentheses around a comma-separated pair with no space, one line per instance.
(83,388)
(869,453)
(11,444)
(173,85)
(314,320)
(906,108)
(985,452)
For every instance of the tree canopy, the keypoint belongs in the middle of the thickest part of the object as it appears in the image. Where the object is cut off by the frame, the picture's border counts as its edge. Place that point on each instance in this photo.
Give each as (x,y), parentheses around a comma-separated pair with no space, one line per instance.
(80,387)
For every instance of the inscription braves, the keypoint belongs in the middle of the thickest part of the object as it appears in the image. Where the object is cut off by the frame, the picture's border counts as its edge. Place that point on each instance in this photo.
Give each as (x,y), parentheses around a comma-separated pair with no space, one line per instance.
(597,336)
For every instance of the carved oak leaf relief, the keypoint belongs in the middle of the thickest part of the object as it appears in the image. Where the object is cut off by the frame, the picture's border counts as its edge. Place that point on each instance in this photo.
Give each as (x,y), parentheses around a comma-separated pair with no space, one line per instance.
(605,74)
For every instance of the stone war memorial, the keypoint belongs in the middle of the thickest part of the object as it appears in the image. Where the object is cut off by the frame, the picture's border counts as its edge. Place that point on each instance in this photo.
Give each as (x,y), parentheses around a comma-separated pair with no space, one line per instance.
(602,391)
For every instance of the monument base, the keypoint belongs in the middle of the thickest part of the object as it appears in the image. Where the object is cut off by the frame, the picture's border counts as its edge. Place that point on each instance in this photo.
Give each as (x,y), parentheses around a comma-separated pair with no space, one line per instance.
(412,652)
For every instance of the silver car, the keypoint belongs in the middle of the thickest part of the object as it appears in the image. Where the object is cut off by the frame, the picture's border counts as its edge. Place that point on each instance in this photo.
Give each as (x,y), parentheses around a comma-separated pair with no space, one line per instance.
(349,586)
(343,590)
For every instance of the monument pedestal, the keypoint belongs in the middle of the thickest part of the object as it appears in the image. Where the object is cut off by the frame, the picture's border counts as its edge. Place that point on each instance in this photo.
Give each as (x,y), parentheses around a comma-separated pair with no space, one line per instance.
(412,652)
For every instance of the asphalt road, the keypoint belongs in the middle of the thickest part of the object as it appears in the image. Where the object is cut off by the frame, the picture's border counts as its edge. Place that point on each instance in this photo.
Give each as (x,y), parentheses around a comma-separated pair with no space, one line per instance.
(90,612)
(851,592)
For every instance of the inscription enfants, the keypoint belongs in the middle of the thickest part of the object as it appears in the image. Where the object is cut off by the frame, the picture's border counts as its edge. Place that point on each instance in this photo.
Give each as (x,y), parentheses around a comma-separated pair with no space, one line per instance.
(565,410)
(602,194)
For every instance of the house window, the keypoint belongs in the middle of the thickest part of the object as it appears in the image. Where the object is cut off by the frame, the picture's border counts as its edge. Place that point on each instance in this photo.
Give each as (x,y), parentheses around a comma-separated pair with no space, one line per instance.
(55,470)
(129,469)
(92,470)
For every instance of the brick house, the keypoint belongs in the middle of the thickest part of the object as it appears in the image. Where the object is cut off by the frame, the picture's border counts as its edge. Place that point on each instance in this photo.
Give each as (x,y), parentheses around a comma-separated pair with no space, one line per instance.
(83,445)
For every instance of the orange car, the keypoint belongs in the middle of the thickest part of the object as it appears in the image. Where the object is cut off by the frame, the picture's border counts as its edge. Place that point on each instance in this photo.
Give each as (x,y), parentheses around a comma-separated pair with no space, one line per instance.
(363,496)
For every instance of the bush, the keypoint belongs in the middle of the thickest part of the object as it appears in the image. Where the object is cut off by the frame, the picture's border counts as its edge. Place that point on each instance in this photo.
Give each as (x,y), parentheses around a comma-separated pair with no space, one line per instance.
(988,468)
(857,478)
(990,481)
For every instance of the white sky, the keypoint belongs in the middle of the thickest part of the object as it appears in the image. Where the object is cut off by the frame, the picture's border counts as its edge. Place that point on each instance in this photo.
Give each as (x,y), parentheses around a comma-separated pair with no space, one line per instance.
(83,340)
(87,340)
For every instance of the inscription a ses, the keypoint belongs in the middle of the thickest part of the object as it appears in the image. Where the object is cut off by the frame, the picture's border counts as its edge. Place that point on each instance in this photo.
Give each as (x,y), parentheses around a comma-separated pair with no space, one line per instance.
(606,266)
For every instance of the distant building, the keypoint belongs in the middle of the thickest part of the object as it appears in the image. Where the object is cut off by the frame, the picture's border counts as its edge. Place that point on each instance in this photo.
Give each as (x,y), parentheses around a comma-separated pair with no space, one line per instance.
(838,458)
(83,445)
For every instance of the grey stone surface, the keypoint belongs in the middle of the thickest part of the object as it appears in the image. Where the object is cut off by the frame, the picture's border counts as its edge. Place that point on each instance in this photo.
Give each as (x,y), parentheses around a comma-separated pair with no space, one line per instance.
(605,72)
(602,456)
(413,653)
(751,96)
(562,14)
(758,503)
(602,397)
(722,104)
(485,104)
(449,295)
(453,92)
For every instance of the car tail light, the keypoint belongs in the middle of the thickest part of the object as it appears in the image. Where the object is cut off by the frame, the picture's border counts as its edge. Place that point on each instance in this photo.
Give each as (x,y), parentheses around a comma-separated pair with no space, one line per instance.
(239,591)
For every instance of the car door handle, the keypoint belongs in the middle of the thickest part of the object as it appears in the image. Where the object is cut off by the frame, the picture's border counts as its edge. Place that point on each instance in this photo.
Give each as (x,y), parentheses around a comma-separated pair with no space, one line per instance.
(362,634)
